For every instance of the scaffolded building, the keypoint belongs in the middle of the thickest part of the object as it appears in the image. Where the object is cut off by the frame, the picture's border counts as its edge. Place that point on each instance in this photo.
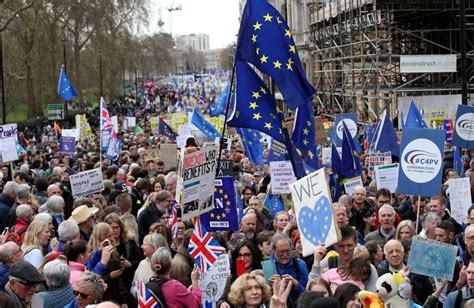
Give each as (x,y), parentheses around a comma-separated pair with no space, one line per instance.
(356,46)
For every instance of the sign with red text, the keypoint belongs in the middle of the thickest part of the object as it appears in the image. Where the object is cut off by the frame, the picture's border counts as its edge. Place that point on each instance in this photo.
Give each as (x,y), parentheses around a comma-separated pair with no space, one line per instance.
(282,176)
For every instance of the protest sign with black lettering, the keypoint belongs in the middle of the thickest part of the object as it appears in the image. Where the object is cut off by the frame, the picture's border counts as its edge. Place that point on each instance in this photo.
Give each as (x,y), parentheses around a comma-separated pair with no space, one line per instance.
(282,176)
(351,184)
(86,183)
(459,198)
(387,177)
(213,281)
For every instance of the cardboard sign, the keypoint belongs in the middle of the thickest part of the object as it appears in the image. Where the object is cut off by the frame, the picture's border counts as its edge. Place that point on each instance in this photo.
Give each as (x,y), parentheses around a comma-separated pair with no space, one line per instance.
(86,183)
(212,282)
(197,173)
(351,184)
(459,198)
(224,216)
(8,149)
(387,177)
(167,154)
(313,208)
(225,168)
(432,258)
(377,159)
(282,175)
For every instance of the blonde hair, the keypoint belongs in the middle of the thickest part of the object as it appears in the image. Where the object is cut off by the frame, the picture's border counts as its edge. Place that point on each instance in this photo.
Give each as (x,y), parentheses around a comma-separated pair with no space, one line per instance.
(31,240)
(237,289)
(114,217)
(130,222)
(99,234)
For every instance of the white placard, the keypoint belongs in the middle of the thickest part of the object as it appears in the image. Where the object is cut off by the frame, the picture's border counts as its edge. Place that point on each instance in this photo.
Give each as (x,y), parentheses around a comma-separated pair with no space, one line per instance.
(8,149)
(212,282)
(114,120)
(352,183)
(74,132)
(326,155)
(184,130)
(459,198)
(387,177)
(86,183)
(181,141)
(131,122)
(428,64)
(282,175)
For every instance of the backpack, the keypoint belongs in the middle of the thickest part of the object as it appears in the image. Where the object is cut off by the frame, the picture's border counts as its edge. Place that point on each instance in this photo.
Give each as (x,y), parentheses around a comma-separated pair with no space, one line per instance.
(154,285)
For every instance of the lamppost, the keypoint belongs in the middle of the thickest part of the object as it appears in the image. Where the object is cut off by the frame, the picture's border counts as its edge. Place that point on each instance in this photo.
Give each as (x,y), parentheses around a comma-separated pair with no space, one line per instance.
(462,28)
(100,73)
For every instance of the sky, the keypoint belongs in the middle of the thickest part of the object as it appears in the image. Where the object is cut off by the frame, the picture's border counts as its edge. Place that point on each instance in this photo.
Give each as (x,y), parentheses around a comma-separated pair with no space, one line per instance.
(218,18)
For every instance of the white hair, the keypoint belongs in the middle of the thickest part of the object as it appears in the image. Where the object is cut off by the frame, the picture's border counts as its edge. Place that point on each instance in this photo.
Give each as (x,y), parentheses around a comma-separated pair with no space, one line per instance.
(56,274)
(68,230)
(10,187)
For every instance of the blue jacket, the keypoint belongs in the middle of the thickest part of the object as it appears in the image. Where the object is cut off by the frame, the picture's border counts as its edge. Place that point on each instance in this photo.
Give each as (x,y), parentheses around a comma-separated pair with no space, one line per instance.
(4,273)
(289,269)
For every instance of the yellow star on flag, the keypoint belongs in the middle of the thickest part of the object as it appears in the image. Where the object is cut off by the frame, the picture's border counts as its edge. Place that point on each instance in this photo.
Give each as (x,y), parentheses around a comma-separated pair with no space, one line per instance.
(263,59)
(221,191)
(278,20)
(257,116)
(305,131)
(268,17)
(277,64)
(257,26)
(256,95)
(257,51)
(310,154)
(223,215)
(268,125)
(228,203)
(254,38)
(292,49)
(305,141)
(212,215)
(288,32)
(253,105)
(308,123)
(218,217)
(226,196)
(263,90)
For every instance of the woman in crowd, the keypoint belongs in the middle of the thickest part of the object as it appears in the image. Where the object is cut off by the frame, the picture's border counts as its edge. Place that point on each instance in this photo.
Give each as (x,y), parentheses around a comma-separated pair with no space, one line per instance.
(144,272)
(88,291)
(178,239)
(250,291)
(131,225)
(428,223)
(346,294)
(60,292)
(405,230)
(175,294)
(368,215)
(35,243)
(150,200)
(319,285)
(375,252)
(252,256)
(357,271)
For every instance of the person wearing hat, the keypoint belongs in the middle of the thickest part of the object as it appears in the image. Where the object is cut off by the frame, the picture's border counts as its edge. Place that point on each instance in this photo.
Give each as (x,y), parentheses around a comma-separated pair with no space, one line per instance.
(22,282)
(84,217)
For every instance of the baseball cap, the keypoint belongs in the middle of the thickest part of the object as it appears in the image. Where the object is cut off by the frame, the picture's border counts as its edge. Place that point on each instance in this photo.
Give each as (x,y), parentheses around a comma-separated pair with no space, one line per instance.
(24,271)
(83,213)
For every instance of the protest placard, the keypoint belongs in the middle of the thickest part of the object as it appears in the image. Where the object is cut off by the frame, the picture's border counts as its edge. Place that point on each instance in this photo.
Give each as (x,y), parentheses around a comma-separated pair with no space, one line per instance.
(149,154)
(432,258)
(464,128)
(351,184)
(131,121)
(197,172)
(168,154)
(321,137)
(225,168)
(75,132)
(212,282)
(459,198)
(224,215)
(86,183)
(326,155)
(154,123)
(8,149)
(67,145)
(387,177)
(313,208)
(282,175)
(377,159)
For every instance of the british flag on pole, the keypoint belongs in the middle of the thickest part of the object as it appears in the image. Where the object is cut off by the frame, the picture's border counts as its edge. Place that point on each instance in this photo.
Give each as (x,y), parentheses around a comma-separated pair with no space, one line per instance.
(203,247)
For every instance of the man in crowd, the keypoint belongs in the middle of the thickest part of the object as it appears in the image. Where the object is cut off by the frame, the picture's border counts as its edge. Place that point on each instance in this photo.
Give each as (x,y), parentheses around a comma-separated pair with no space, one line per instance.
(10,253)
(83,216)
(386,231)
(7,199)
(394,254)
(438,206)
(22,283)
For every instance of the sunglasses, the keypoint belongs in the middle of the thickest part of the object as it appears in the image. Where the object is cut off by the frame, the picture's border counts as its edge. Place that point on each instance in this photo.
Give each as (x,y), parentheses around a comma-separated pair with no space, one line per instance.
(81,295)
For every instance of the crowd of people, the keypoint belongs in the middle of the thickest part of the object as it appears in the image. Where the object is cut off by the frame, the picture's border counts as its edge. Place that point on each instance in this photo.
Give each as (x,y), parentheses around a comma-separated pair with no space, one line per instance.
(93,251)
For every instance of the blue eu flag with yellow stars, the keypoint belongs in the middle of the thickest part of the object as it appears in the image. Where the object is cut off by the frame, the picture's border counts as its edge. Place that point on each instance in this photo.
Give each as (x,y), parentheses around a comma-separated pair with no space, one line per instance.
(273,204)
(350,162)
(254,105)
(65,89)
(266,41)
(204,126)
(304,134)
(251,142)
(335,178)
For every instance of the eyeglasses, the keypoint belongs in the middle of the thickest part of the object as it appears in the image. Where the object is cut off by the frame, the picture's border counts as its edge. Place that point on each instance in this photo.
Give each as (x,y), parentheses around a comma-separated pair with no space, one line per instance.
(116,228)
(28,285)
(81,295)
(281,252)
(245,255)
(164,217)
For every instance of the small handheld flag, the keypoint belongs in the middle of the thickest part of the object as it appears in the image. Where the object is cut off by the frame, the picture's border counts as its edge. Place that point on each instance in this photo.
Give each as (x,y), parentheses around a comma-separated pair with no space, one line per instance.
(203,247)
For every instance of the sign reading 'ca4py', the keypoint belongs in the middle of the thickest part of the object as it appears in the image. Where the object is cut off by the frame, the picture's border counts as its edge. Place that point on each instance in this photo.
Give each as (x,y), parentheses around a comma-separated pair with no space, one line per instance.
(464,127)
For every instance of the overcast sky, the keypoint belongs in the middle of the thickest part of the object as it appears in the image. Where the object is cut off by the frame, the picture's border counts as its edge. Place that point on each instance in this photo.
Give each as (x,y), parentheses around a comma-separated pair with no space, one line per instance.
(218,18)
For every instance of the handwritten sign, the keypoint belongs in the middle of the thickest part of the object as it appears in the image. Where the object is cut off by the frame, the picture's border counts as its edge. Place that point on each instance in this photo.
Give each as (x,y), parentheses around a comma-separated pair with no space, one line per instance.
(86,183)
(387,177)
(8,149)
(212,282)
(460,198)
(282,176)
(378,159)
(432,258)
(351,184)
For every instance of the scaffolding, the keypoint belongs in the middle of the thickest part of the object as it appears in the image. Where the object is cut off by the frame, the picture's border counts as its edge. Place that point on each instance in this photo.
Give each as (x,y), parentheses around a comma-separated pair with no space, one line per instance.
(356,47)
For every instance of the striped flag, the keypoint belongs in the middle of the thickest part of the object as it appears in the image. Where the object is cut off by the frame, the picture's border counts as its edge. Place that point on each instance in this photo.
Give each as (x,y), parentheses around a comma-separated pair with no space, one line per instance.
(203,247)
(145,298)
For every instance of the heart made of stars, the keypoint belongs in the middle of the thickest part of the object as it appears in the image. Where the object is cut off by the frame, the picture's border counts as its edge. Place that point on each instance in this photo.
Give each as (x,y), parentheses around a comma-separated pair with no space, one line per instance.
(315,223)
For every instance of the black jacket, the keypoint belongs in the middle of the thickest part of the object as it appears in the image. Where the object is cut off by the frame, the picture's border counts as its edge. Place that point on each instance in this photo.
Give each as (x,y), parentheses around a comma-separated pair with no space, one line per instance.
(147,217)
(5,205)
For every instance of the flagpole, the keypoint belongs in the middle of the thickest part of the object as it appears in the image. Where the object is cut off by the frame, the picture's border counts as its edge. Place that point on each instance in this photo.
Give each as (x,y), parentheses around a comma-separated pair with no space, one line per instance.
(221,141)
(418,213)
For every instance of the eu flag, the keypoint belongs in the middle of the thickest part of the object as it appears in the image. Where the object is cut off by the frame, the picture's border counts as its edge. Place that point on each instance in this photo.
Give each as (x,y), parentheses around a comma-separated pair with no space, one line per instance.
(65,89)
(273,204)
(385,138)
(335,178)
(304,133)
(254,106)
(252,146)
(350,162)
(266,41)
(165,130)
(219,106)
(207,128)
(414,118)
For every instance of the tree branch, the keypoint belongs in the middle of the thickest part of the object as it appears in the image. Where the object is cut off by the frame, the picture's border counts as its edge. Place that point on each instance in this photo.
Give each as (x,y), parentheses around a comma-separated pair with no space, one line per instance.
(10,19)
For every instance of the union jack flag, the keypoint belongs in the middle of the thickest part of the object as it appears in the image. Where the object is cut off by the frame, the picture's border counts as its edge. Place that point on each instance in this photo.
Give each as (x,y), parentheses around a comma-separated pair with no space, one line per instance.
(173,220)
(145,298)
(105,121)
(203,247)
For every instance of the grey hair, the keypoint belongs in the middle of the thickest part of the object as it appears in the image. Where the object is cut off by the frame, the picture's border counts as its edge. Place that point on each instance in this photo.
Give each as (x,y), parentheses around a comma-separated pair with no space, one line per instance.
(349,198)
(93,281)
(280,237)
(56,274)
(6,250)
(172,176)
(57,171)
(10,187)
(429,217)
(22,191)
(45,217)
(361,188)
(387,207)
(25,168)
(68,230)
(162,256)
(156,240)
(338,205)
(468,228)
(54,204)
(23,210)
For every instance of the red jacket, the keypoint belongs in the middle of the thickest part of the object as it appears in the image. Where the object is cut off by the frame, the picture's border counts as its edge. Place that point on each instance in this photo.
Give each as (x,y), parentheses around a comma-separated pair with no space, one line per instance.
(20,228)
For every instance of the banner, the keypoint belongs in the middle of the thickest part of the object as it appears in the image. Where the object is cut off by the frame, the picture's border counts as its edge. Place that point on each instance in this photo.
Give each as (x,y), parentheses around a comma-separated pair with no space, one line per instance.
(312,202)
(86,183)
(351,122)
(387,177)
(212,282)
(282,176)
(459,192)
(432,258)
(464,127)
(224,216)
(351,184)
(197,172)
(427,64)
(421,162)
